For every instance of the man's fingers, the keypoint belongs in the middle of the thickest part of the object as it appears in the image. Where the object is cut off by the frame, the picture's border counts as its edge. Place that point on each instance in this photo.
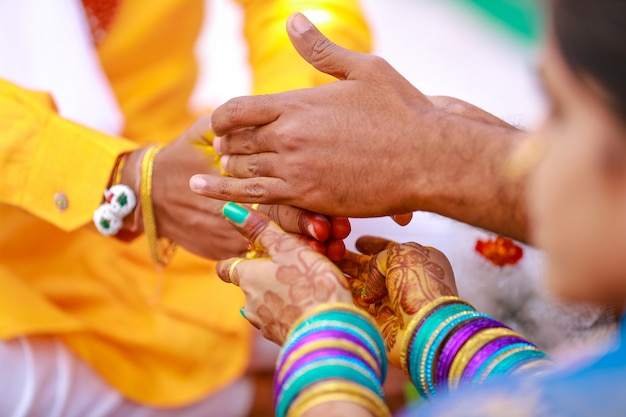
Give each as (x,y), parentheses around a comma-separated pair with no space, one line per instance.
(318,50)
(242,112)
(340,227)
(371,245)
(246,141)
(249,166)
(295,220)
(249,190)
(402,219)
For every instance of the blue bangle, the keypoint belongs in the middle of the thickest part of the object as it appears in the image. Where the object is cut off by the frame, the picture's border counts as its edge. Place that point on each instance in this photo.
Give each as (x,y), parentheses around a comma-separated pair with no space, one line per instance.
(478,375)
(327,368)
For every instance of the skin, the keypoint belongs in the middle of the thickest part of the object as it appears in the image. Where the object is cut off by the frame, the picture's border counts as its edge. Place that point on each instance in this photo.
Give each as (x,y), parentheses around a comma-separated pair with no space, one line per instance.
(282,148)
(393,282)
(577,193)
(289,281)
(188,219)
(292,278)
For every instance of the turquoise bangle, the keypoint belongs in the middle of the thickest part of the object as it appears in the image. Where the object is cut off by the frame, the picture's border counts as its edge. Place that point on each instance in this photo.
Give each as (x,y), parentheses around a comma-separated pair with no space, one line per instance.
(464,316)
(350,318)
(328,368)
(364,336)
(478,375)
(421,338)
(515,360)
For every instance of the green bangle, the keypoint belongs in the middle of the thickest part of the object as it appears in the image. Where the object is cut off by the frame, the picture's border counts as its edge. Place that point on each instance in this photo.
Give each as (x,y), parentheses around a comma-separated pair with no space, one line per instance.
(423,334)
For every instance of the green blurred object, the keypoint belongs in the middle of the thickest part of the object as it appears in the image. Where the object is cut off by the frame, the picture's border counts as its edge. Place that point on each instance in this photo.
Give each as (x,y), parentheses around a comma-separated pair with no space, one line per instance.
(522,17)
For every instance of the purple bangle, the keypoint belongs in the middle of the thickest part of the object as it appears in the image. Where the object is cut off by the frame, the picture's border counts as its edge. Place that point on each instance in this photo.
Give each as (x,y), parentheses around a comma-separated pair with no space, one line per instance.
(485,352)
(310,357)
(325,333)
(321,335)
(456,341)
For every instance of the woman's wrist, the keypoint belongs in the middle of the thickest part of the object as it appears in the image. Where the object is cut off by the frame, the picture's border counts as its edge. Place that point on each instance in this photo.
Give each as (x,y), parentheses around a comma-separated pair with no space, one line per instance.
(333,353)
(449,343)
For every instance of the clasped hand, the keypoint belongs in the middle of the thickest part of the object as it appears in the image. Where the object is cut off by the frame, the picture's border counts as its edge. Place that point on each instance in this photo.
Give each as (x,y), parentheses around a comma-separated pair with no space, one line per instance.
(391,281)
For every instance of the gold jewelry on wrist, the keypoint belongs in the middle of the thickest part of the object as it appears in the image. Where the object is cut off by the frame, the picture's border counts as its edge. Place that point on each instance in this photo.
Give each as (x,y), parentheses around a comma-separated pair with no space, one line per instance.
(161,250)
(339,391)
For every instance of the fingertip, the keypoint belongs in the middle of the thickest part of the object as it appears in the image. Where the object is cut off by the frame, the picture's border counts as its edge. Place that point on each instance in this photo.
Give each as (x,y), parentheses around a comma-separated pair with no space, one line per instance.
(299,23)
(340,227)
(222,271)
(235,212)
(217,145)
(335,250)
(197,183)
(224,162)
(319,227)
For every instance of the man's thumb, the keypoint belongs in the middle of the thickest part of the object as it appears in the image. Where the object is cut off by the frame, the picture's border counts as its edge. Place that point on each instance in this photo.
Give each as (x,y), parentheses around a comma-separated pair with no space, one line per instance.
(318,50)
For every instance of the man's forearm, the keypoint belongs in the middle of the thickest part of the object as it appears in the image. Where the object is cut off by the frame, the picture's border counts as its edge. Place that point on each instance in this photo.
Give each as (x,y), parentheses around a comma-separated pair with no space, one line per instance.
(466,180)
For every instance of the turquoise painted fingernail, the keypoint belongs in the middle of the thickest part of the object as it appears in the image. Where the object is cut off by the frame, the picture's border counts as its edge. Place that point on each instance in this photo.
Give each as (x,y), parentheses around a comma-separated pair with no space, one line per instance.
(235,212)
(243,313)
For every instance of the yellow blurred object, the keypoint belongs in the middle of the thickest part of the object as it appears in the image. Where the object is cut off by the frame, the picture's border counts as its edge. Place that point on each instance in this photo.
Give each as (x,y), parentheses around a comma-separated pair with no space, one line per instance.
(60,278)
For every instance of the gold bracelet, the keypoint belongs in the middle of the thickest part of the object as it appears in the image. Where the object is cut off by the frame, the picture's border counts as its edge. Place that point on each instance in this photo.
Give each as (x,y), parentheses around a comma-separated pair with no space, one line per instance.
(160,251)
(470,348)
(416,321)
(542,363)
(339,391)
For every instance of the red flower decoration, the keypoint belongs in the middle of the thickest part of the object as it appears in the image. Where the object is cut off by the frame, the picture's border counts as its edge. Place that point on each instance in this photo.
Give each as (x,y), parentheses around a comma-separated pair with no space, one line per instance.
(500,251)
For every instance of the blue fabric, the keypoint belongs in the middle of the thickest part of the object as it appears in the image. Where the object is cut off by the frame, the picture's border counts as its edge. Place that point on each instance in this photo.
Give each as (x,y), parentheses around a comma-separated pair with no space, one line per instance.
(598,389)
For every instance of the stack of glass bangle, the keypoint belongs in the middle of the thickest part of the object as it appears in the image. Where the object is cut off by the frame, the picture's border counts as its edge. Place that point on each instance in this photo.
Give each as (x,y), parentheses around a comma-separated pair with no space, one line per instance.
(334,353)
(449,344)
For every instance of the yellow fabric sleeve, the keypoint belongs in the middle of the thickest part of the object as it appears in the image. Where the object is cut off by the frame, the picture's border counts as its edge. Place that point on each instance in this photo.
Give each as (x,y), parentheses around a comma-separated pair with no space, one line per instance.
(276,64)
(42,155)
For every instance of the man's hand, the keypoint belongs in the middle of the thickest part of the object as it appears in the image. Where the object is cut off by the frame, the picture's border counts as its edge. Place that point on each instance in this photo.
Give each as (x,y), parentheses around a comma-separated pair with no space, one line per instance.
(197,224)
(335,149)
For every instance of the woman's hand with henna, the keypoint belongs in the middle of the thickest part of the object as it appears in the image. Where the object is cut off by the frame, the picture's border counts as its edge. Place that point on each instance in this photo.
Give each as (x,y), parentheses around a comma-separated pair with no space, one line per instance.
(394,281)
(279,287)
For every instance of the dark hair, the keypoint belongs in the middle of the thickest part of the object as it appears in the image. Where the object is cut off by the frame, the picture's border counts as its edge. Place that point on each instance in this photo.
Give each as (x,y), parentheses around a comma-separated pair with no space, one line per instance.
(591,36)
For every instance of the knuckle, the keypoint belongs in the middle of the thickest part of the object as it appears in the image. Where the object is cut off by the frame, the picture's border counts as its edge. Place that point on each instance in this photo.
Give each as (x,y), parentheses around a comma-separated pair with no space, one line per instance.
(377,64)
(257,166)
(224,187)
(255,190)
(321,49)
(233,110)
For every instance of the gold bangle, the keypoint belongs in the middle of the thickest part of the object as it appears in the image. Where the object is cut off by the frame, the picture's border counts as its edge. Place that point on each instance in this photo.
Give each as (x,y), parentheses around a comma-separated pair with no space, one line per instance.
(160,251)
(416,321)
(338,391)
(470,348)
(542,363)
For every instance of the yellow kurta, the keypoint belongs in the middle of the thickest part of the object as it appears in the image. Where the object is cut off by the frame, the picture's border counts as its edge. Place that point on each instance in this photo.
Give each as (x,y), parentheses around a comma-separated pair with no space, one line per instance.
(97,294)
